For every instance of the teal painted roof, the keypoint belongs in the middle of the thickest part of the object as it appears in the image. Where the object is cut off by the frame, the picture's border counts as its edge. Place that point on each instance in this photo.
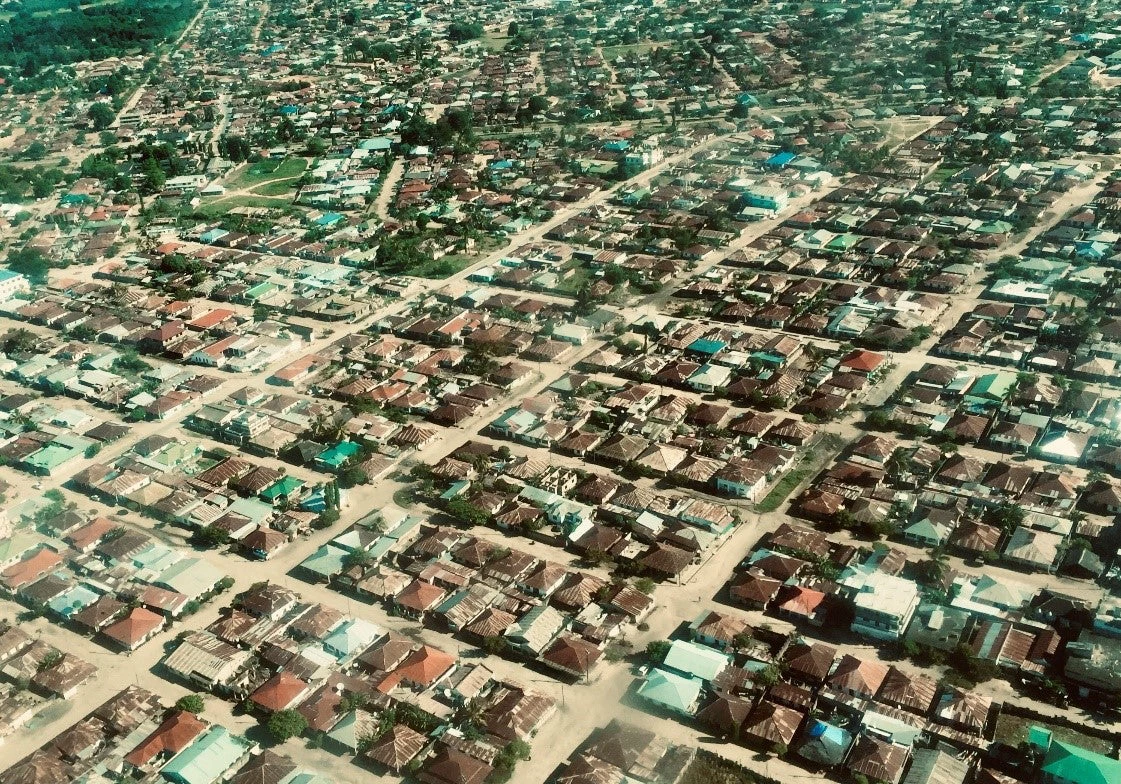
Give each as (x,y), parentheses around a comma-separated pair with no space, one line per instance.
(338,454)
(205,760)
(697,660)
(1067,762)
(674,691)
(707,346)
(327,561)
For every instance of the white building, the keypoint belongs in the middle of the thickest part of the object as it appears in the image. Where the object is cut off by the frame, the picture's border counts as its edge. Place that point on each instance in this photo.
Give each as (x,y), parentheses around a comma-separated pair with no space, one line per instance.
(12,283)
(884,605)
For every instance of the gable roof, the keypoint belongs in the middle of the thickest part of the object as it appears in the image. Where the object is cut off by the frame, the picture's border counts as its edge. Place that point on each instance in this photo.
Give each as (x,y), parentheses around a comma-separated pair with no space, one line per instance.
(176,733)
(1067,762)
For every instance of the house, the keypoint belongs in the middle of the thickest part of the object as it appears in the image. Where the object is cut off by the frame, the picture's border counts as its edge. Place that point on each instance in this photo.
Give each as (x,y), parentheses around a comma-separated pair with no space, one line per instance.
(418,598)
(351,638)
(717,629)
(203,659)
(741,479)
(451,766)
(514,712)
(572,655)
(877,760)
(280,692)
(12,283)
(862,361)
(1063,446)
(1037,550)
(771,725)
(1066,763)
(209,759)
(939,627)
(1093,661)
(672,692)
(910,692)
(396,748)
(421,669)
(533,633)
(698,661)
(135,628)
(935,766)
(710,377)
(884,605)
(824,744)
(179,730)
(857,677)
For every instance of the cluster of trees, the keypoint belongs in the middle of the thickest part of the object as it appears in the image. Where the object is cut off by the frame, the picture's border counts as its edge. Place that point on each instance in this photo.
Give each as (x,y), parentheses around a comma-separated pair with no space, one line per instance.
(112,166)
(89,33)
(31,263)
(18,184)
(235,148)
(464,31)
(455,125)
(366,50)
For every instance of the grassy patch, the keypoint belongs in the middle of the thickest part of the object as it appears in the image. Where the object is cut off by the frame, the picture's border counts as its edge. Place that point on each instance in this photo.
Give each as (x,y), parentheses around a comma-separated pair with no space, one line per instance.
(443,267)
(405,497)
(1013,730)
(785,486)
(579,278)
(223,205)
(942,174)
(707,768)
(266,171)
(277,188)
(495,42)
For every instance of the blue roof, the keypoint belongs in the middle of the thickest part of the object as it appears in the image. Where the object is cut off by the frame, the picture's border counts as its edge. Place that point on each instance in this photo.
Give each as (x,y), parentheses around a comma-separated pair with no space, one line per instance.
(707,346)
(328,218)
(780,159)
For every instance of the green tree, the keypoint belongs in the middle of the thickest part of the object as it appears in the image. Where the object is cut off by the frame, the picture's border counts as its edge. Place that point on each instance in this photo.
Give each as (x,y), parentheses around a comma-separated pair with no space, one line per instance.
(101,115)
(285,724)
(464,31)
(768,676)
(19,341)
(656,651)
(192,703)
(316,147)
(352,476)
(211,536)
(1006,516)
(496,645)
(30,263)
(466,512)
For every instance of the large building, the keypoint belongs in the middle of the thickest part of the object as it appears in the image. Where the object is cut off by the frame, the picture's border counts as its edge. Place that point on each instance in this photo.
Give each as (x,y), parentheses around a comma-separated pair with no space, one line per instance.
(884,605)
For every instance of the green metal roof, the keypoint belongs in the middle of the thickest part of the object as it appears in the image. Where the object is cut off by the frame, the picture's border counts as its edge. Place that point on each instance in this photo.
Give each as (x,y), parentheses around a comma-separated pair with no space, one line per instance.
(286,485)
(1066,762)
(338,454)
